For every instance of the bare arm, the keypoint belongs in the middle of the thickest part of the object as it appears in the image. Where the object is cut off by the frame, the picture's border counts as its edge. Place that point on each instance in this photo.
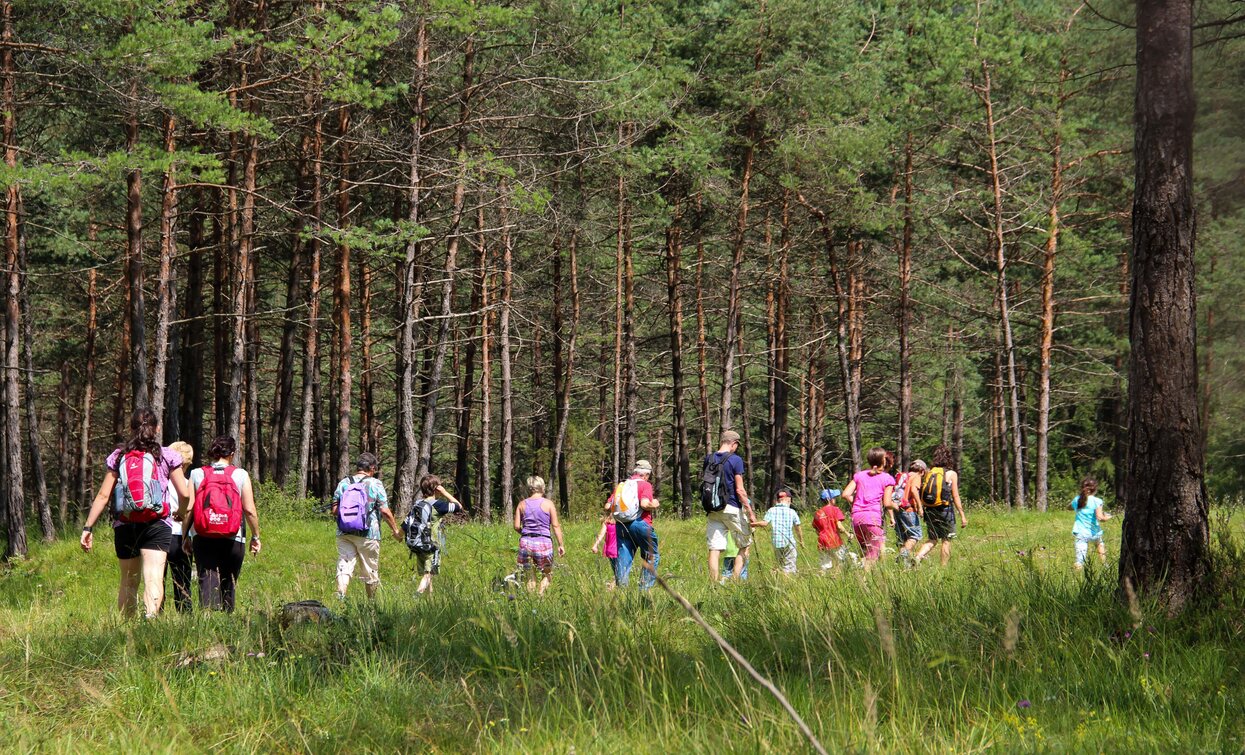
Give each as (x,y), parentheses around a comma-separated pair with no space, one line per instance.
(518,517)
(252,516)
(180,484)
(447,495)
(742,495)
(596,545)
(97,508)
(955,497)
(849,492)
(387,515)
(557,527)
(912,492)
(1101,514)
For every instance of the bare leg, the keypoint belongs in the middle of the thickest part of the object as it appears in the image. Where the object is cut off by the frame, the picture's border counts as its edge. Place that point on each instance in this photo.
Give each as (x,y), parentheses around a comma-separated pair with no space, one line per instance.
(739,562)
(1102,552)
(926,547)
(127,593)
(425,584)
(343,582)
(153,580)
(714,574)
(946,552)
(544,584)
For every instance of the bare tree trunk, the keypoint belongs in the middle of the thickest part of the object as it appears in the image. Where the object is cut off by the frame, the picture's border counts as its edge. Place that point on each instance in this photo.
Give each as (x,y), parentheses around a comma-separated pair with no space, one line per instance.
(341,304)
(702,360)
(1042,482)
(252,437)
(904,455)
(242,291)
(369,425)
(746,426)
(564,396)
(485,497)
(412,289)
(841,294)
(88,378)
(139,391)
(451,264)
(616,461)
(283,393)
(674,298)
(309,427)
(119,422)
(43,504)
(462,468)
(166,292)
(15,500)
(1005,319)
(220,326)
(507,386)
(631,384)
(1166,534)
(779,360)
(64,439)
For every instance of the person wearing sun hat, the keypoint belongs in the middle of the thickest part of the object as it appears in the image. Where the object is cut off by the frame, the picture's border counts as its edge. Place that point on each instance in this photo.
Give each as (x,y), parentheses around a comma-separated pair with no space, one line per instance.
(636,535)
(735,515)
(784,524)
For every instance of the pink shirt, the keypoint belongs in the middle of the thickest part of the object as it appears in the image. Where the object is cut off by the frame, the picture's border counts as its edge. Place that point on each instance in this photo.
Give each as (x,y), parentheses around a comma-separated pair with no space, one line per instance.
(867,505)
(611,540)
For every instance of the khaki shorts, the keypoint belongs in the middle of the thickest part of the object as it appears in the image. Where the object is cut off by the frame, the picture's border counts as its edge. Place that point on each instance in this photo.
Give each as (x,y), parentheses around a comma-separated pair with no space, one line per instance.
(357,548)
(730,519)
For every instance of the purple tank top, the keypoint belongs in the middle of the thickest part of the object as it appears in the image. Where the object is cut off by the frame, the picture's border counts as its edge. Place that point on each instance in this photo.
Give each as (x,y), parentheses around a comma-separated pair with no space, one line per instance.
(536,520)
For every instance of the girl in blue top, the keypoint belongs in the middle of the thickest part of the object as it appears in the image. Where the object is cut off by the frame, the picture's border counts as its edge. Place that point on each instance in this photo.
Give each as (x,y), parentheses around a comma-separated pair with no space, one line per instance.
(1089,518)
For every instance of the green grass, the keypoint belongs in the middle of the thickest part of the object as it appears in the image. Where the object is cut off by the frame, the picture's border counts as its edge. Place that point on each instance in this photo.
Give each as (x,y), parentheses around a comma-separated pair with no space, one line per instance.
(928,660)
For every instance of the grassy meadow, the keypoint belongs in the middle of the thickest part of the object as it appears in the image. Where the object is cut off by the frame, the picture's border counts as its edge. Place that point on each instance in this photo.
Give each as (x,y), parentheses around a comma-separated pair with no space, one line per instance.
(1006,649)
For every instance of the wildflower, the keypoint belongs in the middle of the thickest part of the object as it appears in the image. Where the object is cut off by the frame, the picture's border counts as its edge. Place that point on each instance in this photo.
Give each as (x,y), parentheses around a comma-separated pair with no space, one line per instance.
(1147,656)
(1024,705)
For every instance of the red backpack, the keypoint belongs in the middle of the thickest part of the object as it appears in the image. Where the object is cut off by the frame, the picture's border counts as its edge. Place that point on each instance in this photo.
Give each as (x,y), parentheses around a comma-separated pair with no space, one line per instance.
(218,504)
(139,496)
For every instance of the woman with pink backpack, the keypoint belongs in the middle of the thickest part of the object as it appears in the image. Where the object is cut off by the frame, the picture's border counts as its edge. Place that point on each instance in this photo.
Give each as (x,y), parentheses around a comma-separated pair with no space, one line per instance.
(222,499)
(137,476)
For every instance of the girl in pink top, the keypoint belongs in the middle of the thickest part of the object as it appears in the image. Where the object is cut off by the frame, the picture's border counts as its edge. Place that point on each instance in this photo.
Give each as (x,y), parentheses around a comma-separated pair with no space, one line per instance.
(609,535)
(868,493)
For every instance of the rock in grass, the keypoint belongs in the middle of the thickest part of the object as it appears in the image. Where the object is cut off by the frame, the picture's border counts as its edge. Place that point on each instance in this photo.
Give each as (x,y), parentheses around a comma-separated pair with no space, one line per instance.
(215,652)
(304,612)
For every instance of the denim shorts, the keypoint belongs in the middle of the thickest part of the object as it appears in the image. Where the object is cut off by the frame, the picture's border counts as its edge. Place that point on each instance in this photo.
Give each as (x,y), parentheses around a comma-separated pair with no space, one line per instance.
(907,526)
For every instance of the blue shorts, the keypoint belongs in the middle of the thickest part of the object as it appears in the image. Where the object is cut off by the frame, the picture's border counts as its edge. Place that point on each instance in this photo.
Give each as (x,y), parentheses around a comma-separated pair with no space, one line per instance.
(907,526)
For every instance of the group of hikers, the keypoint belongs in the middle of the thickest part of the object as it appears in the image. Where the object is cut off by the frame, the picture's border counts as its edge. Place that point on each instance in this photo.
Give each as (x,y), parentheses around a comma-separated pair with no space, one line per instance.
(164,513)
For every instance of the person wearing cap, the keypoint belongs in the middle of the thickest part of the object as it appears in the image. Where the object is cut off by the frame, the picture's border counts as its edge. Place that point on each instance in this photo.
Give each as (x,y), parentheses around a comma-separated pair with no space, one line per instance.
(364,548)
(637,535)
(784,526)
(736,517)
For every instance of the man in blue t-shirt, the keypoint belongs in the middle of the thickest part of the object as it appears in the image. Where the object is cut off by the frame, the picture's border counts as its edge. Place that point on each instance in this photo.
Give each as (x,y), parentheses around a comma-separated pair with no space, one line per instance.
(737,516)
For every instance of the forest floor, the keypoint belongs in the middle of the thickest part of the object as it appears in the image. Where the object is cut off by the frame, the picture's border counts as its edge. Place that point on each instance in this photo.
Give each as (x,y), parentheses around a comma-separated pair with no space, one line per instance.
(1006,649)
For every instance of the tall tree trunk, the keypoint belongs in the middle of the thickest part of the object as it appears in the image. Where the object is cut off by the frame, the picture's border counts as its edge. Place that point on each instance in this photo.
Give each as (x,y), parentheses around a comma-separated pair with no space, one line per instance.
(253,435)
(64,457)
(631,383)
(904,455)
(841,294)
(779,359)
(43,505)
(369,425)
(283,393)
(412,288)
(674,298)
(616,461)
(507,384)
(564,395)
(702,344)
(1001,262)
(341,304)
(120,424)
(15,500)
(221,398)
(1166,534)
(309,427)
(242,290)
(1042,482)
(746,425)
(462,467)
(139,390)
(485,497)
(192,344)
(88,378)
(166,292)
(451,263)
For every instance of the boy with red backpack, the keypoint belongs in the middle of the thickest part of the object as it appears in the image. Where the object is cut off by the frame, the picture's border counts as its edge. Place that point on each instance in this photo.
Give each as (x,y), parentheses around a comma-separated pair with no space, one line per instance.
(358,504)
(222,509)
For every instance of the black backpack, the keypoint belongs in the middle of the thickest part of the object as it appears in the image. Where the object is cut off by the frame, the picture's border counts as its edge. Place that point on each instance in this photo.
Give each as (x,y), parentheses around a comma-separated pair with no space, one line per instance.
(418,528)
(712,492)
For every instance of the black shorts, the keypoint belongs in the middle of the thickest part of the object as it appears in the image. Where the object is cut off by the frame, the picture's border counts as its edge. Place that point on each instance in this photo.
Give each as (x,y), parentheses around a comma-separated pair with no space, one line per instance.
(940,522)
(129,539)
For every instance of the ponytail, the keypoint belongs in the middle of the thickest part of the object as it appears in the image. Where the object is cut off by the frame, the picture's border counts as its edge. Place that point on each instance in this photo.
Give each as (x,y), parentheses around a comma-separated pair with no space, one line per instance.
(145,429)
(1089,486)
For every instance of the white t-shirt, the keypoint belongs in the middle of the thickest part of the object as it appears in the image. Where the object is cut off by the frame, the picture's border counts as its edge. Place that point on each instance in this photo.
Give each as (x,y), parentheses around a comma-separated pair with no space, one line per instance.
(241,480)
